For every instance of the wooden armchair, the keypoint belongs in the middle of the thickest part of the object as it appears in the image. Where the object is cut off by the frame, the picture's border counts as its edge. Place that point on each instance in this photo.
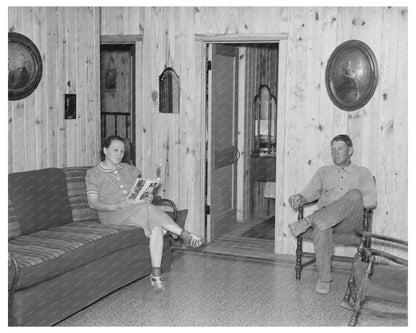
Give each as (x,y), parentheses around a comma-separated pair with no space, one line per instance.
(340,238)
(371,281)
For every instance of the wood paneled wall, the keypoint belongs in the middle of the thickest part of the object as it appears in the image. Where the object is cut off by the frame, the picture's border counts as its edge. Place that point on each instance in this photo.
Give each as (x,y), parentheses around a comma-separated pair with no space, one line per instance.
(68,41)
(306,122)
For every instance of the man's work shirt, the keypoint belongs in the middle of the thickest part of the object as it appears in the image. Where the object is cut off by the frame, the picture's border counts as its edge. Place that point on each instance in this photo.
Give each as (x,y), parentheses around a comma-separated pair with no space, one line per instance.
(331,182)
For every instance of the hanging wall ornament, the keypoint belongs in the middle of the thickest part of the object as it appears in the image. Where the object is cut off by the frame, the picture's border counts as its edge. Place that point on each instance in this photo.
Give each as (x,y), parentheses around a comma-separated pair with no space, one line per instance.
(25,66)
(351,75)
(169,86)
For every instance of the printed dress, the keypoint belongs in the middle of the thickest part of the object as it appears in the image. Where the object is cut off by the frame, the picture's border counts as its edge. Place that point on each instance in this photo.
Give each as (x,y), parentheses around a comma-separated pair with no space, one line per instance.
(112,187)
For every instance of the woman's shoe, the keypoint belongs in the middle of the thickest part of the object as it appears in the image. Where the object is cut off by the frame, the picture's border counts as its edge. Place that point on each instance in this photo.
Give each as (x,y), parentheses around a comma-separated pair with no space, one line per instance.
(194,240)
(157,283)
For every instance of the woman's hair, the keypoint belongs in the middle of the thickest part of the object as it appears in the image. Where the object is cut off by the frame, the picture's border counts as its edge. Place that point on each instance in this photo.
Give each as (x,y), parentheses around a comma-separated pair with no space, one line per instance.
(107,142)
(343,137)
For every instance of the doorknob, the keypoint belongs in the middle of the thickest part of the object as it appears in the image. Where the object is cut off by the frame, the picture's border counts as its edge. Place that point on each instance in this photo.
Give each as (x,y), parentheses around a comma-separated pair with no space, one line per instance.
(237,154)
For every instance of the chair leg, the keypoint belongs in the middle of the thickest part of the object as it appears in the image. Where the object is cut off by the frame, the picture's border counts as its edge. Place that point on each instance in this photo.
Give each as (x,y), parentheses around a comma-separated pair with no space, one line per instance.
(348,292)
(298,267)
(361,292)
(354,317)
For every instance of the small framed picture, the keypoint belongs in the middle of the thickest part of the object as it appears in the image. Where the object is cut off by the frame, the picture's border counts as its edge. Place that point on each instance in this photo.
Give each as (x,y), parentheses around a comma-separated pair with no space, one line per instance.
(25,66)
(351,75)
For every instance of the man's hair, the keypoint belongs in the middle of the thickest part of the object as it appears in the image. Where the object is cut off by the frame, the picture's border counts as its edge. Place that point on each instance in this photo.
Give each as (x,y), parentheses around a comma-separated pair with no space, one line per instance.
(343,137)
(107,142)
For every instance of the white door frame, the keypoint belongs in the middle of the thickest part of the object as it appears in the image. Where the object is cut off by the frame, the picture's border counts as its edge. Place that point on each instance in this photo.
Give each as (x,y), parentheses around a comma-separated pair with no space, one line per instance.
(201,41)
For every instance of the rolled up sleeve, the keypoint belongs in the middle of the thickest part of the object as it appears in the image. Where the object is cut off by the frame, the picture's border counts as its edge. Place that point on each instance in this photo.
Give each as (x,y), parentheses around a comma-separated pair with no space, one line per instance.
(369,189)
(313,190)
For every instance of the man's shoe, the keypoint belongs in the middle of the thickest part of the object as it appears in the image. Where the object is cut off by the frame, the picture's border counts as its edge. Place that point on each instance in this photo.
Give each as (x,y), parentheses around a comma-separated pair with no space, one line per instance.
(299,227)
(322,287)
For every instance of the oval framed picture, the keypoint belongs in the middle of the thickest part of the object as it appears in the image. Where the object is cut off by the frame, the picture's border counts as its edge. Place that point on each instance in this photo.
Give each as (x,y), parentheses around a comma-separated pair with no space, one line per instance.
(25,66)
(351,75)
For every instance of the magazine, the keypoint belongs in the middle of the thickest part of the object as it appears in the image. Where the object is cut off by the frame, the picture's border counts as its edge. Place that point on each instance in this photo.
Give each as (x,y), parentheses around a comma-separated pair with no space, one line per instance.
(142,188)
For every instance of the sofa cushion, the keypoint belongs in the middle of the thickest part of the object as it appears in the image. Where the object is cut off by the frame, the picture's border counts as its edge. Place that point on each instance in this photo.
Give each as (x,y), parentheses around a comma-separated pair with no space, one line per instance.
(40,199)
(75,181)
(49,253)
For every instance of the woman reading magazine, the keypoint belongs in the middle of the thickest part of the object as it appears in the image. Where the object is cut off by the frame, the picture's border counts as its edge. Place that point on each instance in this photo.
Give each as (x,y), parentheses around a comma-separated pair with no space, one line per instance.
(108,185)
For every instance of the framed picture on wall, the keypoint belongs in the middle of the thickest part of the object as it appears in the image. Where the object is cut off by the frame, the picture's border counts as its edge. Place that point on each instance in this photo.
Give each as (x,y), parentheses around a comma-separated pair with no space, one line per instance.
(25,66)
(351,75)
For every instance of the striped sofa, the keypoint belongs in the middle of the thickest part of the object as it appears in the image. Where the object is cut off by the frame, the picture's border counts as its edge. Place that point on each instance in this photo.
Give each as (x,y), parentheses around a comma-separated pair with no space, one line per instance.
(61,259)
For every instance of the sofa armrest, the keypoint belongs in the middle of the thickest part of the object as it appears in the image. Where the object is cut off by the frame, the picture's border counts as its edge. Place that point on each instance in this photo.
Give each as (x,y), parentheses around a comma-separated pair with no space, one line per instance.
(157,200)
(14,274)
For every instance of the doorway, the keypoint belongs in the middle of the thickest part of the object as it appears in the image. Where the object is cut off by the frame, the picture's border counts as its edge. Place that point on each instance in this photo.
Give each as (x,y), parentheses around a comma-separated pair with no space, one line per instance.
(117,72)
(239,180)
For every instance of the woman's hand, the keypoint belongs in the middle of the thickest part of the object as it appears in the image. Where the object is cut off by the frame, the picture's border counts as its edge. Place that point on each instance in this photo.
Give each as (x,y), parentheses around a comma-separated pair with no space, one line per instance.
(149,198)
(125,203)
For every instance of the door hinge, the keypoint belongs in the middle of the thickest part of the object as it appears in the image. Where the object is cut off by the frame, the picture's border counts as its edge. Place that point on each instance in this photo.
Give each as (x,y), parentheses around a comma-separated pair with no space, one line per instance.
(207,210)
(209,65)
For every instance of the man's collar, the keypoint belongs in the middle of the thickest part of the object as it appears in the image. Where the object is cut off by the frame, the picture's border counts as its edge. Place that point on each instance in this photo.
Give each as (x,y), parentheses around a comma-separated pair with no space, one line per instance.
(349,168)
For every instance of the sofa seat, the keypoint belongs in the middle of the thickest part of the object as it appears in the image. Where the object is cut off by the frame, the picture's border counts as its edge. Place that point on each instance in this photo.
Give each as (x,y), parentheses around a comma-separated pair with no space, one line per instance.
(48,253)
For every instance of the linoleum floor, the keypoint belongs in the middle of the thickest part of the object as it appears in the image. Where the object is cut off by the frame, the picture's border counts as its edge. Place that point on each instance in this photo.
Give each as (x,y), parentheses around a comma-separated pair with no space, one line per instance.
(206,289)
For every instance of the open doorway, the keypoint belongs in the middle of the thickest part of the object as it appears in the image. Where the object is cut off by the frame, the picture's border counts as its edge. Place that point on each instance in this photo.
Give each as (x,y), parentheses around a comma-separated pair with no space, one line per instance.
(117,72)
(241,110)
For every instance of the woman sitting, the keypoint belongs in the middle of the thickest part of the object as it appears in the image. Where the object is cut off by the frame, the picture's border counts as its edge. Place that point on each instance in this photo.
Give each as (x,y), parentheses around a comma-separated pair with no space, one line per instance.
(108,185)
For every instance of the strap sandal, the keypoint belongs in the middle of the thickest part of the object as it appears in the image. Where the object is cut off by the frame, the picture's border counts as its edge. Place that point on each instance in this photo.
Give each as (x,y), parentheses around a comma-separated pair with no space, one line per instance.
(157,283)
(194,241)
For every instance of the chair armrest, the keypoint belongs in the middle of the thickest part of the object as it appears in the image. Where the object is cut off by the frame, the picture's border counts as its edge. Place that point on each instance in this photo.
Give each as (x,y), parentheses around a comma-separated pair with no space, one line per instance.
(308,204)
(302,206)
(367,234)
(157,200)
(373,252)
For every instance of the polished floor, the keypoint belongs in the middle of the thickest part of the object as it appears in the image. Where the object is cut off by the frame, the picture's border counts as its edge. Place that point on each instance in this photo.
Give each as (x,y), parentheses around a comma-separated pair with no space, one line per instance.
(206,289)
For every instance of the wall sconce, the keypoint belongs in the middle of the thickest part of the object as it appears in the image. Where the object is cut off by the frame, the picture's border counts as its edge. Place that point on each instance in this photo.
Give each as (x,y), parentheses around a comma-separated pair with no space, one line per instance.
(169,91)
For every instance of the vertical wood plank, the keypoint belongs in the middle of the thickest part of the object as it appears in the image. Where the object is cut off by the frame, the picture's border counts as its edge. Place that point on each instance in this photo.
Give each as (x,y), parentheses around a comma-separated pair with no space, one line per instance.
(29,137)
(71,84)
(51,66)
(92,111)
(81,85)
(400,165)
(61,86)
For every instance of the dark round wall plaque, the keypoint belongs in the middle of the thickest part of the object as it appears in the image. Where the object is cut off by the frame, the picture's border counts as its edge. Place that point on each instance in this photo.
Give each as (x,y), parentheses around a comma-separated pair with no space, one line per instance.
(351,75)
(25,66)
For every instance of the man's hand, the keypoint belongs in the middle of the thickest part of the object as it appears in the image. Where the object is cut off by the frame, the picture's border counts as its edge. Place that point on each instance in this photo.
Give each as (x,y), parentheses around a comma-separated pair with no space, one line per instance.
(296,200)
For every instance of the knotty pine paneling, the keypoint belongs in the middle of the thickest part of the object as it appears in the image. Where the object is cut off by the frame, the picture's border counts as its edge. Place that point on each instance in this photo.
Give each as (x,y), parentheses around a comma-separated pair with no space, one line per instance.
(39,136)
(307,119)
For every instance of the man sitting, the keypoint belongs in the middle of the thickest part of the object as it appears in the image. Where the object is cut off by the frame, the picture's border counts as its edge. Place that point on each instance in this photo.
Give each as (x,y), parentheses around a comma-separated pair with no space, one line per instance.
(341,190)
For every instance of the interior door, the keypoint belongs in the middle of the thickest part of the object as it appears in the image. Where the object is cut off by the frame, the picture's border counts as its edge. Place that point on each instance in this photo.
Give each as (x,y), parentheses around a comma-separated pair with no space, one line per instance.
(222,140)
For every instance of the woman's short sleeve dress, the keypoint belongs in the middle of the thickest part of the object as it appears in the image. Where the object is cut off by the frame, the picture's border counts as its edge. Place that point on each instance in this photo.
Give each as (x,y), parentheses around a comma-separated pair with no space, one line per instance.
(112,187)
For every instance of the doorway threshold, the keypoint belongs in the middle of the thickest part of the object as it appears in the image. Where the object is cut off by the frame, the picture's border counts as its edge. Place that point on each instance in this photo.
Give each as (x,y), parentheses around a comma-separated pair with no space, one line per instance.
(234,243)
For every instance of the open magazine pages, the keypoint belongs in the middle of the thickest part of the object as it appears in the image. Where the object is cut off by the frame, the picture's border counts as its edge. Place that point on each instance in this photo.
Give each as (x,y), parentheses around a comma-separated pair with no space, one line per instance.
(142,188)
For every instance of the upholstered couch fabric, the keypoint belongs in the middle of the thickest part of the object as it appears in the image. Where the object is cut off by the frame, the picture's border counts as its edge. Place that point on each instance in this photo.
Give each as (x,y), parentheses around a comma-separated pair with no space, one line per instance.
(66,258)
(48,253)
(40,199)
(75,182)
